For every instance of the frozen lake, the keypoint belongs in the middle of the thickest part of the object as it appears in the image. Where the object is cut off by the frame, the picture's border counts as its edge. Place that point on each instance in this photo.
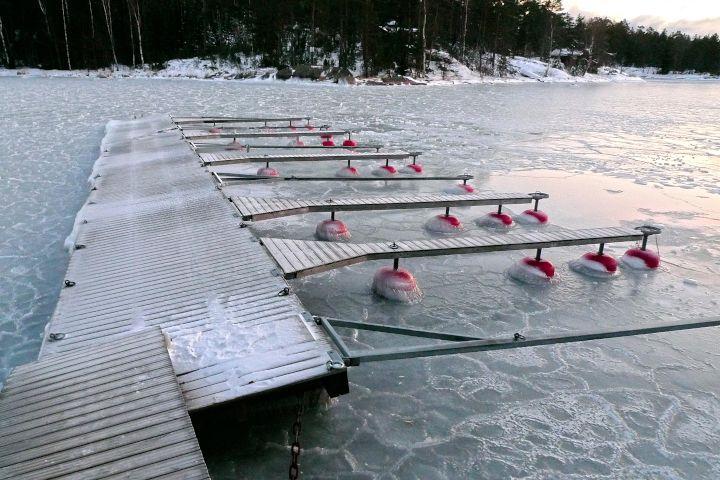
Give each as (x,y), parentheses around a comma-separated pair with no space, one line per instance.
(618,154)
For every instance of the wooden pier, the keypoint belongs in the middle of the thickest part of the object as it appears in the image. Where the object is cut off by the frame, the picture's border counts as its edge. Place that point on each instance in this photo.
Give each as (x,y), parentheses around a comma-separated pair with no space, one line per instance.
(299,258)
(214,120)
(110,409)
(224,178)
(254,208)
(234,158)
(194,135)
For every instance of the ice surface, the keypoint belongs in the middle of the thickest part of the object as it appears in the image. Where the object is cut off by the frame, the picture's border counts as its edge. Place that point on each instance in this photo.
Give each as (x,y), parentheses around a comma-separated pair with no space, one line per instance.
(632,408)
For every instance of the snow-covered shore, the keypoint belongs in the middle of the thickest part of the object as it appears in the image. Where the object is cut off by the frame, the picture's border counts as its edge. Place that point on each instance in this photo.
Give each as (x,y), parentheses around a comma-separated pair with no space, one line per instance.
(448,71)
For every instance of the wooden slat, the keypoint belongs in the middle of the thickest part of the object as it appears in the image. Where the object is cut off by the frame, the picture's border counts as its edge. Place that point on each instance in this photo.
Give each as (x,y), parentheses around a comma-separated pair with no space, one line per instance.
(184,120)
(356,253)
(232,158)
(193,135)
(274,208)
(230,178)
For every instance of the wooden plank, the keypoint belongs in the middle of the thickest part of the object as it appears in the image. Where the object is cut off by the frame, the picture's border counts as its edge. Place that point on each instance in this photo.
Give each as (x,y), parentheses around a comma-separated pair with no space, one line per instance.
(356,253)
(232,158)
(275,208)
(204,135)
(230,178)
(183,120)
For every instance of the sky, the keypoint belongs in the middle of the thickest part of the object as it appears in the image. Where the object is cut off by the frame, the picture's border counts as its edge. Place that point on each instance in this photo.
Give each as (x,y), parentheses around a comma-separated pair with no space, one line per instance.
(695,17)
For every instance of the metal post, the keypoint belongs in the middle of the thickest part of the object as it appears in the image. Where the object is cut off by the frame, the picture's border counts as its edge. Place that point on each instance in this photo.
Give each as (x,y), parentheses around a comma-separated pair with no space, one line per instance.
(387,162)
(600,250)
(447,211)
(644,242)
(537,202)
(414,157)
(247,148)
(348,163)
(267,164)
(396,263)
(332,215)
(499,209)
(538,255)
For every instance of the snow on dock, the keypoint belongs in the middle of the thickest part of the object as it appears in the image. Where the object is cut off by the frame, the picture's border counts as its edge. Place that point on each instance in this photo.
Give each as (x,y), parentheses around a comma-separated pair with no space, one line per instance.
(158,245)
(113,408)
(254,208)
(299,258)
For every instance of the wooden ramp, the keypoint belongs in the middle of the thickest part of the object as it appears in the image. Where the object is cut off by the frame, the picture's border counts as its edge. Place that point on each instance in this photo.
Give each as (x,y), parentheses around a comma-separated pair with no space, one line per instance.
(204,135)
(232,158)
(113,410)
(299,258)
(213,120)
(254,208)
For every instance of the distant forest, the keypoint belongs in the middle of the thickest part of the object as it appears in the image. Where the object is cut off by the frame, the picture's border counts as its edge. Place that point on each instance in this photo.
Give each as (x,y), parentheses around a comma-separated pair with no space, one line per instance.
(378,35)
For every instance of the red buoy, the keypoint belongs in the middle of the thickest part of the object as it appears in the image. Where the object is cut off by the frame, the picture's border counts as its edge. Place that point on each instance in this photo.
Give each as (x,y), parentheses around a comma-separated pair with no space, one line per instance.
(215,130)
(384,171)
(595,265)
(327,140)
(350,143)
(460,189)
(296,143)
(267,172)
(640,259)
(332,231)
(495,220)
(532,270)
(235,145)
(348,171)
(444,224)
(413,168)
(532,217)
(396,284)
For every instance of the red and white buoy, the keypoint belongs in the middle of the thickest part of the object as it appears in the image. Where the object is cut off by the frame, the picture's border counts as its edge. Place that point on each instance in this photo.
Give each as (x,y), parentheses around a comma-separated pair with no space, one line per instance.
(267,171)
(348,171)
(642,258)
(384,171)
(350,143)
(413,169)
(444,224)
(534,216)
(497,219)
(396,284)
(533,270)
(215,130)
(235,145)
(595,264)
(309,126)
(332,230)
(296,143)
(327,140)
(460,189)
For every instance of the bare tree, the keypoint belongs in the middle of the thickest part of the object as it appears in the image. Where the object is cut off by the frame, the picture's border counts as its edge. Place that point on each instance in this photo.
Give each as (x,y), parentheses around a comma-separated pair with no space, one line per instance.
(464,32)
(2,37)
(66,18)
(107,9)
(132,38)
(423,22)
(92,19)
(134,7)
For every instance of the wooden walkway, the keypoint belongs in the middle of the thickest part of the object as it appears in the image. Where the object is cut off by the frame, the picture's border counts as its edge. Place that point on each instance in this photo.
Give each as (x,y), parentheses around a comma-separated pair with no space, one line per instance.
(111,410)
(255,208)
(213,120)
(299,258)
(232,158)
(193,135)
(224,178)
(159,245)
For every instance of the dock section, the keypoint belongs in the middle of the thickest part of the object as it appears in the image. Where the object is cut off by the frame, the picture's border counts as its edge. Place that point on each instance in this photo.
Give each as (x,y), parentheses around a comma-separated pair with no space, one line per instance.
(111,409)
(157,245)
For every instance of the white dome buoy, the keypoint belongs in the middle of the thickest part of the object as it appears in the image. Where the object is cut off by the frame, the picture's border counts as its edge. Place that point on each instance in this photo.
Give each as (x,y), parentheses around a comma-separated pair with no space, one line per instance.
(595,265)
(460,189)
(532,217)
(534,271)
(396,284)
(332,230)
(348,171)
(495,220)
(215,130)
(267,172)
(384,171)
(642,258)
(235,145)
(444,224)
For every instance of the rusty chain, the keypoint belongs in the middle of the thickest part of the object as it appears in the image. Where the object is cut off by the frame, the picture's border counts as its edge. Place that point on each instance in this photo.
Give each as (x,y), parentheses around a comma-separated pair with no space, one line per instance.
(294,472)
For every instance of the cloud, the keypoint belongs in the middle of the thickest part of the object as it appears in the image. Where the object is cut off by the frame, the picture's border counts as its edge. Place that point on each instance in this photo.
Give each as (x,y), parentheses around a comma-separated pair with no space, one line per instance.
(705,26)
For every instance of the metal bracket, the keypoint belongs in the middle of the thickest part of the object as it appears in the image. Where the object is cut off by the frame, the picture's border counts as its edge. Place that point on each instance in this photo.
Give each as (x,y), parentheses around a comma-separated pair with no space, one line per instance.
(79,246)
(335,362)
(284,292)
(53,337)
(69,283)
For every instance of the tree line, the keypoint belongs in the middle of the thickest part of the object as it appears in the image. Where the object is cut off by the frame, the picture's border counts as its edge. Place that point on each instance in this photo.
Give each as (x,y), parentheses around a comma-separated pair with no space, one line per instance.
(377,34)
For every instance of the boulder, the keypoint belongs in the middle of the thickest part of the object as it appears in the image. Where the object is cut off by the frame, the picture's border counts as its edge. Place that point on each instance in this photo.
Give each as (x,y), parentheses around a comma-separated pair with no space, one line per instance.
(284,73)
(307,72)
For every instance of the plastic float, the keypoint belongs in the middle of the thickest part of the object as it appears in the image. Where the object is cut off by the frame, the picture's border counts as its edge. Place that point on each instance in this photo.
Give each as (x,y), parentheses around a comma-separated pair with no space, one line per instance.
(595,264)
(327,140)
(235,145)
(497,220)
(309,126)
(534,216)
(332,230)
(386,170)
(396,284)
(444,223)
(347,171)
(267,171)
(349,142)
(642,258)
(296,143)
(215,130)
(461,188)
(531,270)
(414,167)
